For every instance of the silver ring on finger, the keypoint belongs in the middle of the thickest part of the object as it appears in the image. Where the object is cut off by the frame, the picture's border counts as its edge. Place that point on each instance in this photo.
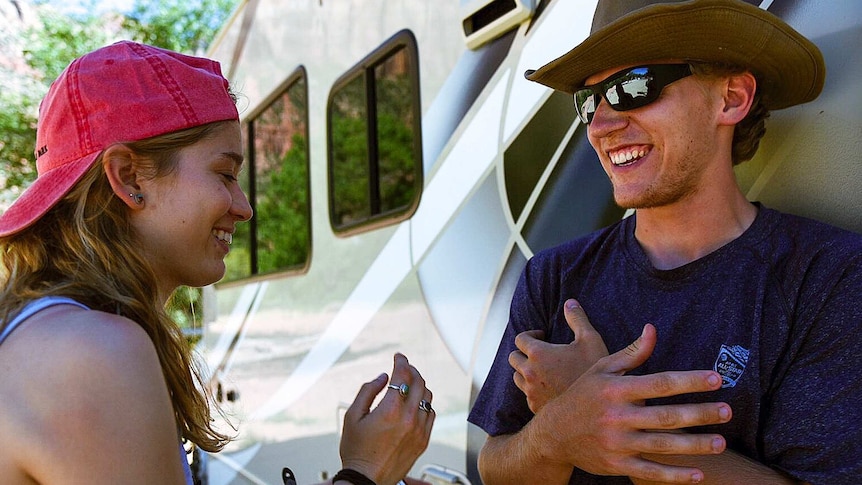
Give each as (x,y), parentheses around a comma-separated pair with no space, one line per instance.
(425,406)
(402,389)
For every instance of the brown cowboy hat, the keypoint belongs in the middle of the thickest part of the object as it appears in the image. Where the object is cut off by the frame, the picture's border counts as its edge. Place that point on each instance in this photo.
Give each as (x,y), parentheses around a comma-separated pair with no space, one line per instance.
(789,68)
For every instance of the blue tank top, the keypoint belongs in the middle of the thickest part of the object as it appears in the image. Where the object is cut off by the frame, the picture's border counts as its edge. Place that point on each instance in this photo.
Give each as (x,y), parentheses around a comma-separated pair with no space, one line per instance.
(47,301)
(36,306)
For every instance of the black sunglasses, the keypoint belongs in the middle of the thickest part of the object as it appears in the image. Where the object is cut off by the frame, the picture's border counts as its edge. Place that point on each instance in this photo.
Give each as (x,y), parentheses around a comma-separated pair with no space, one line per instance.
(628,89)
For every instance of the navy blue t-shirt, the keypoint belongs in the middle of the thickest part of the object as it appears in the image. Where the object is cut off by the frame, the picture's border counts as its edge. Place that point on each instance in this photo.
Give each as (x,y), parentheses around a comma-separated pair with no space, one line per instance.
(778,312)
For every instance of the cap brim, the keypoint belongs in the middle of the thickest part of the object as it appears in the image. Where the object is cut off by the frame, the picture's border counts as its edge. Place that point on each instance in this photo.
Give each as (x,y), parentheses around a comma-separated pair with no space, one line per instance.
(43,194)
(789,67)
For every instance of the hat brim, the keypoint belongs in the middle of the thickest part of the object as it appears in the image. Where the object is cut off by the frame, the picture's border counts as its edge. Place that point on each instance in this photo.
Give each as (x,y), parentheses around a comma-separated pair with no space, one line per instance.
(789,68)
(43,194)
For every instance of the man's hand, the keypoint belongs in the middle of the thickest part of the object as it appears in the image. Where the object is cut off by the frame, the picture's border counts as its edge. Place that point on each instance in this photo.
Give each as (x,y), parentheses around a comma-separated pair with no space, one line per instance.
(601,425)
(593,414)
(543,370)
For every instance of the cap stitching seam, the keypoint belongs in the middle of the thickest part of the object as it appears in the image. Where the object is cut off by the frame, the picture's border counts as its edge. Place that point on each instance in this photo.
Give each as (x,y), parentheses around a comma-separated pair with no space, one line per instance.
(168,81)
(82,123)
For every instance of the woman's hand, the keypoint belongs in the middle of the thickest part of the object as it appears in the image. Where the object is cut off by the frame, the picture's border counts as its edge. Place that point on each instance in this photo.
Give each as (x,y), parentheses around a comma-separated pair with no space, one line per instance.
(384,443)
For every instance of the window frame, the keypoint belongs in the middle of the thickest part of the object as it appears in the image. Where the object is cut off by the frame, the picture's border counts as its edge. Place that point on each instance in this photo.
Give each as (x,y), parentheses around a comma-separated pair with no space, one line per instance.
(299,74)
(402,40)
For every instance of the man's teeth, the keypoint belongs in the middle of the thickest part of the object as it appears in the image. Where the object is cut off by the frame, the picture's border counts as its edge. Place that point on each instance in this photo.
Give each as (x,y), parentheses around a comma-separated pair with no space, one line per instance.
(625,157)
(223,236)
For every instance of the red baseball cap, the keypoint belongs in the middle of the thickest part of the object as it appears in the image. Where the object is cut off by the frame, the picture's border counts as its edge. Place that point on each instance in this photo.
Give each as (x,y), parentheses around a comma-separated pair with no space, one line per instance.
(123,92)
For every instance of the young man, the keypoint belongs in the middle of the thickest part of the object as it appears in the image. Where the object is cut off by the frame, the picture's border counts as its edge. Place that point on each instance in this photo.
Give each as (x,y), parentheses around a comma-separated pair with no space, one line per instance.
(739,325)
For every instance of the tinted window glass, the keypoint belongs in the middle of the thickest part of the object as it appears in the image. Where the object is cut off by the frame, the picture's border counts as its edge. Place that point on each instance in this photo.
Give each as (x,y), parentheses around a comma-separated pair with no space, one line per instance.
(349,191)
(397,167)
(277,183)
(375,156)
(281,182)
(238,262)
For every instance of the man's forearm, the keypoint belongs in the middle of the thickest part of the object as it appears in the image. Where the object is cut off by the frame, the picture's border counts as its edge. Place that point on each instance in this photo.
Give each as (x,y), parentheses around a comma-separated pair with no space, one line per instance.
(724,469)
(517,459)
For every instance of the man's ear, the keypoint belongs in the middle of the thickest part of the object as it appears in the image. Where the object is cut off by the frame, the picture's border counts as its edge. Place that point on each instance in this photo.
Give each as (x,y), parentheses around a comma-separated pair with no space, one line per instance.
(122,171)
(738,97)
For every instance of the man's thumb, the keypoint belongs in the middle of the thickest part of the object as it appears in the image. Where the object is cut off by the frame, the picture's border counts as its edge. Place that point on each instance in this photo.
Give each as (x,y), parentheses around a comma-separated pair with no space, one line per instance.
(577,319)
(635,354)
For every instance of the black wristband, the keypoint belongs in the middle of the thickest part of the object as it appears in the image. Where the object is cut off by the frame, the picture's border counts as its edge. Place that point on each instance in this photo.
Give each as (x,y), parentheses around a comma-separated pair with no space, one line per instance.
(353,477)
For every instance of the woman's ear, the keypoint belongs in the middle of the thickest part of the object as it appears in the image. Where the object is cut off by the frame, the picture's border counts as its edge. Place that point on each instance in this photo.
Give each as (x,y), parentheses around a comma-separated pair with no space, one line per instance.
(122,172)
(738,97)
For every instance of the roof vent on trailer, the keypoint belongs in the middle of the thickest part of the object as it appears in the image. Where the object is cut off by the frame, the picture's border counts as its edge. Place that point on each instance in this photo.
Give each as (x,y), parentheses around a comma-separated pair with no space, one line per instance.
(485,20)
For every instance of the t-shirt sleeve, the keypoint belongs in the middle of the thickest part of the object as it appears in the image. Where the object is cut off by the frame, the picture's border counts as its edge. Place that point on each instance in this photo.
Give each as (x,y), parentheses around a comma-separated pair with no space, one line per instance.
(813,428)
(500,407)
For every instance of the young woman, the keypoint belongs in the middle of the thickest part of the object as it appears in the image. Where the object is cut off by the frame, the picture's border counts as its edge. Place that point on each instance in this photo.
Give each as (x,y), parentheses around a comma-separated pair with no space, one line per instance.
(138,151)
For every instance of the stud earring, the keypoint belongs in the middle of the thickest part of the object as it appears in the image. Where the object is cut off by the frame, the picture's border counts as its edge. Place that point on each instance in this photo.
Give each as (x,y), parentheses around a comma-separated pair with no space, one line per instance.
(139,198)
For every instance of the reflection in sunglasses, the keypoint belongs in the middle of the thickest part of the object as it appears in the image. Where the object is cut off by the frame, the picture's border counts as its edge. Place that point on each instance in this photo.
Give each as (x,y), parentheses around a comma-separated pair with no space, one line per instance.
(628,89)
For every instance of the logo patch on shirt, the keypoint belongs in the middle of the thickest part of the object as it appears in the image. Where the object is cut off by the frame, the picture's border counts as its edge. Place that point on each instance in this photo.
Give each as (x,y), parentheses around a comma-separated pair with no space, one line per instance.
(730,364)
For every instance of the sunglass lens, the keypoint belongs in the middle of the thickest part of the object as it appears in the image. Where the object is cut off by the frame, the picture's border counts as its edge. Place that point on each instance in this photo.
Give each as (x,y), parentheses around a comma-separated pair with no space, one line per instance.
(632,90)
(585,104)
(628,89)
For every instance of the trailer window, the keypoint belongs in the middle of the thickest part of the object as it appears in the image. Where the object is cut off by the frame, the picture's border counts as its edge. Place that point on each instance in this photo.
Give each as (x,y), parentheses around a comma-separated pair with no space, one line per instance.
(277,177)
(375,154)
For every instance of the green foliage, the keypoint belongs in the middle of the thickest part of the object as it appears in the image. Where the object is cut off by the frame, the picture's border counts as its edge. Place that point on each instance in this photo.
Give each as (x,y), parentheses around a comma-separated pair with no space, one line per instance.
(350,191)
(396,160)
(184,307)
(49,47)
(17,167)
(238,260)
(181,25)
(283,214)
(58,39)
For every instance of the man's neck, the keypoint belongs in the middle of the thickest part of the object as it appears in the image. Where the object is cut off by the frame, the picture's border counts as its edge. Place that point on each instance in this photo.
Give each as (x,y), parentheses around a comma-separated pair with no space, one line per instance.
(677,234)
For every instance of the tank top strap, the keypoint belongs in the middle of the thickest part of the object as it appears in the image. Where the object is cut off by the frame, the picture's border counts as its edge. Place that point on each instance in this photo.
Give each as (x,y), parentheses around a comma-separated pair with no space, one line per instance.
(36,306)
(187,470)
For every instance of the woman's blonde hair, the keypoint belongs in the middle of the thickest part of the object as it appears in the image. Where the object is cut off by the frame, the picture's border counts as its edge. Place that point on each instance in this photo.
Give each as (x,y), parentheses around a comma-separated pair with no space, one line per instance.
(84,248)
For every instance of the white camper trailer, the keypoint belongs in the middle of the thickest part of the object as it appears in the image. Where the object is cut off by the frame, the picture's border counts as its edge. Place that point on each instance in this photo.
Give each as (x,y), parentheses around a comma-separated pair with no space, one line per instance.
(402,171)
